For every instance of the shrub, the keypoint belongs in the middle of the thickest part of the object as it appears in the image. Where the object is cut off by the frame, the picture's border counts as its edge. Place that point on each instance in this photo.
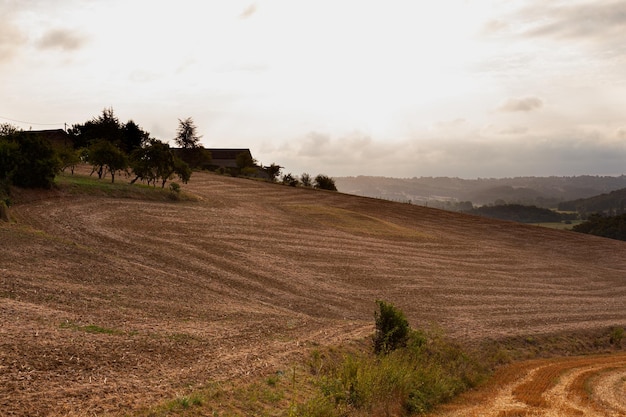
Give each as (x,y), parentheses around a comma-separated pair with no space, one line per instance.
(392,328)
(411,380)
(324,182)
(617,334)
(36,163)
(306,180)
(290,180)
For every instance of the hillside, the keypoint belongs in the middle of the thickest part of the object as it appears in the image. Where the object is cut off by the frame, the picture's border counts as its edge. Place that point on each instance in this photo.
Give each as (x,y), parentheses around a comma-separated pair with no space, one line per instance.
(110,304)
(608,203)
(443,192)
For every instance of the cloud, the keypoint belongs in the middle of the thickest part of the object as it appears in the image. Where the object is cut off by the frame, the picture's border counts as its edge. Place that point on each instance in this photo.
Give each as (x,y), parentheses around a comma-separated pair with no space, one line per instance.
(248,12)
(514,130)
(592,19)
(63,39)
(12,38)
(494,26)
(450,124)
(502,152)
(599,25)
(525,104)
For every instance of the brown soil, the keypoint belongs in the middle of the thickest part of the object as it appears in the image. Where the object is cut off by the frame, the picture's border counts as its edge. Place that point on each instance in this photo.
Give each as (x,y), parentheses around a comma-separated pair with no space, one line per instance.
(593,386)
(108,305)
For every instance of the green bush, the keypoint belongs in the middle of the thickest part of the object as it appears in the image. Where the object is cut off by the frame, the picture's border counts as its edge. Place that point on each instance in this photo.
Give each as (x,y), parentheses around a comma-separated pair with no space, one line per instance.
(617,334)
(392,328)
(324,182)
(410,380)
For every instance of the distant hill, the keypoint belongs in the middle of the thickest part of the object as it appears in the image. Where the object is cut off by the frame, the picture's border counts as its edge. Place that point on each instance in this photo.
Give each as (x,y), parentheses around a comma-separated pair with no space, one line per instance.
(446,192)
(518,213)
(612,203)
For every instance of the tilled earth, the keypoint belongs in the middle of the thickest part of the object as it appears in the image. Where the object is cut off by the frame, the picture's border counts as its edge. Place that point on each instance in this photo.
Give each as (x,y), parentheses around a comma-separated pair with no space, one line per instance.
(108,304)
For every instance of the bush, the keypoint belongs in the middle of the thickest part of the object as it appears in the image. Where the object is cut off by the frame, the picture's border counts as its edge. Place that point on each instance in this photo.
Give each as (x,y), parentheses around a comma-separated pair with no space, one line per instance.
(428,371)
(290,180)
(617,334)
(392,328)
(28,161)
(324,182)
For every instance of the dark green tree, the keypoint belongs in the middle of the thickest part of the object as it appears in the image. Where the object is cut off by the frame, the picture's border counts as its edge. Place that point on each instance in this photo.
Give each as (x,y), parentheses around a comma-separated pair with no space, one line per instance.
(30,161)
(69,158)
(9,151)
(392,328)
(106,126)
(306,180)
(612,227)
(7,129)
(187,134)
(133,137)
(324,182)
(188,140)
(273,171)
(156,162)
(104,156)
(290,180)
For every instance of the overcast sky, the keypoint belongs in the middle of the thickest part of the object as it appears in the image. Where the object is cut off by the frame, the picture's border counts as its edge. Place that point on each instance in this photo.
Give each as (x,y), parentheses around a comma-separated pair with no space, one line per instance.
(467,88)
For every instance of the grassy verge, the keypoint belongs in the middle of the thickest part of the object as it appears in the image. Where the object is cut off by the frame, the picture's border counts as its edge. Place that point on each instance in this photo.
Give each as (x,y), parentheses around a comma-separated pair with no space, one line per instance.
(351,381)
(84,184)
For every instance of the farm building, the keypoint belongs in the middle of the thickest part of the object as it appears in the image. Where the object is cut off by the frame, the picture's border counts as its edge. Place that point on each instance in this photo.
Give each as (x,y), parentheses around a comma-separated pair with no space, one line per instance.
(225,157)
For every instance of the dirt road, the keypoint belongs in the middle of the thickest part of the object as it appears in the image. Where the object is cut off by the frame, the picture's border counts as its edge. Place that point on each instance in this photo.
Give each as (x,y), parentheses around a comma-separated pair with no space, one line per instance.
(593,386)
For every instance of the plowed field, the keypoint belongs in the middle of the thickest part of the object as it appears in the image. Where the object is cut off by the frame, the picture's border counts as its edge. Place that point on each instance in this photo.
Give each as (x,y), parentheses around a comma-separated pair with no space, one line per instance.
(110,304)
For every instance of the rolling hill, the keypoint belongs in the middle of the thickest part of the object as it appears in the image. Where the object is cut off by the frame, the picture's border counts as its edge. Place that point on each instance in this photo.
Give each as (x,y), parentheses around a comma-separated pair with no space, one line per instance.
(110,304)
(443,192)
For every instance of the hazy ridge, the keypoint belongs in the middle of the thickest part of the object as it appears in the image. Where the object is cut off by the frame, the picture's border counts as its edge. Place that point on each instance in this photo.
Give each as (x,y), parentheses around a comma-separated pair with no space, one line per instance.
(434,191)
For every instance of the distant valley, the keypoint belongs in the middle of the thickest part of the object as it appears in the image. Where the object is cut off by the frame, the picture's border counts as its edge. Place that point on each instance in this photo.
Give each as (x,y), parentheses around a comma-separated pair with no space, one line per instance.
(454,193)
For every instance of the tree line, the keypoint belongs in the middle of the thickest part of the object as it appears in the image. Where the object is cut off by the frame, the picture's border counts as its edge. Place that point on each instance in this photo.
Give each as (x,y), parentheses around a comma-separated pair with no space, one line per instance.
(112,148)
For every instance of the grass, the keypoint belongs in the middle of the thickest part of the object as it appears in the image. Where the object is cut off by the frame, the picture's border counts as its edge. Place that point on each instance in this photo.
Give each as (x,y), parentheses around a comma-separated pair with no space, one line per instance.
(91,185)
(351,381)
(90,328)
(559,225)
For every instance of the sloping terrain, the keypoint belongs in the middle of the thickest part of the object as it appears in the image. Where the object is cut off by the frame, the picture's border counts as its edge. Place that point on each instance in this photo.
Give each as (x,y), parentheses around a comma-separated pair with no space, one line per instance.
(110,304)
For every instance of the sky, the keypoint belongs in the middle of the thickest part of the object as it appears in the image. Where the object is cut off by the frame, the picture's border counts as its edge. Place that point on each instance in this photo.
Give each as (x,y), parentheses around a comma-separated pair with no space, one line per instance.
(397,88)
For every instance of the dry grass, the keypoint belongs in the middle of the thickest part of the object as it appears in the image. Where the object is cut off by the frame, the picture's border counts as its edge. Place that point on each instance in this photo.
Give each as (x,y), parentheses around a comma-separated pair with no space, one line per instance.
(250,276)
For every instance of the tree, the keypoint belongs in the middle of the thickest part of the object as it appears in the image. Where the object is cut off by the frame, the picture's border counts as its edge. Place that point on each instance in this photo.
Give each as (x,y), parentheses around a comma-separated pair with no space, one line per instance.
(392,328)
(30,161)
(612,227)
(106,126)
(69,158)
(104,156)
(273,171)
(7,129)
(156,162)
(324,182)
(188,141)
(133,137)
(290,180)
(306,180)
(187,134)
(9,151)
(127,137)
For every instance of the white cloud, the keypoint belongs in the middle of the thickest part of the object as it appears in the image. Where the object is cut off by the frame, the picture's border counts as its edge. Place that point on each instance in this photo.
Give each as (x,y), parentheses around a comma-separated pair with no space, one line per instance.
(525,104)
(248,12)
(63,39)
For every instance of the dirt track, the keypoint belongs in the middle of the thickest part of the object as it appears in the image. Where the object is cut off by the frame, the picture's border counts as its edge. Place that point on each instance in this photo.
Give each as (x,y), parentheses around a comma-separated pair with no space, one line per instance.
(107,305)
(592,386)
